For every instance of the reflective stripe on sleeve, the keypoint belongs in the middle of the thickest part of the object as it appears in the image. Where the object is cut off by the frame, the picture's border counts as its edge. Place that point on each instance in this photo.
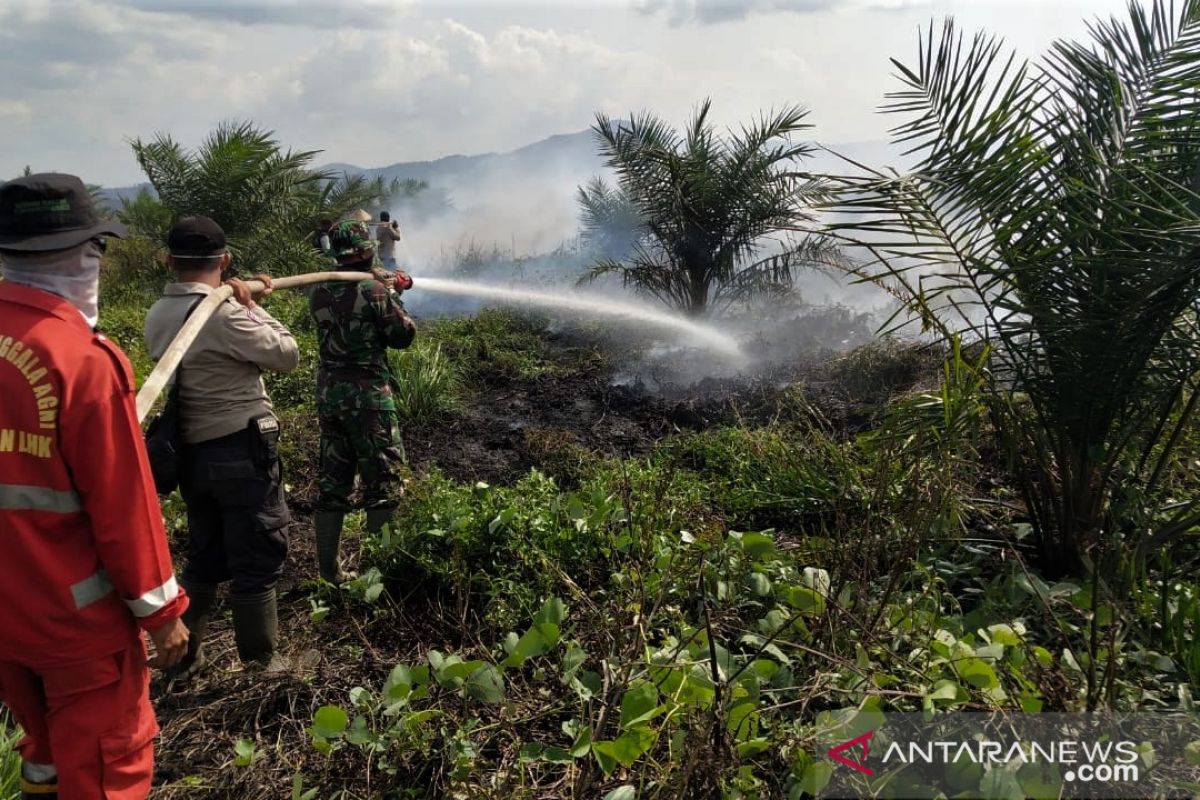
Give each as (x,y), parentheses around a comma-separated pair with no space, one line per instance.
(91,589)
(155,599)
(15,497)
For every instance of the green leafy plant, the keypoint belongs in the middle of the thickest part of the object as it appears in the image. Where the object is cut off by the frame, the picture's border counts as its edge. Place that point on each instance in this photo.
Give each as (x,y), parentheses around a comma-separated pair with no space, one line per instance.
(699,210)
(427,384)
(245,753)
(1053,213)
(10,759)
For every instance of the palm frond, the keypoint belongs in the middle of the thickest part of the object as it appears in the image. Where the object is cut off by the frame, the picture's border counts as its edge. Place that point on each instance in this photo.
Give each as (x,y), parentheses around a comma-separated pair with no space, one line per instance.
(1053,210)
(705,205)
(266,198)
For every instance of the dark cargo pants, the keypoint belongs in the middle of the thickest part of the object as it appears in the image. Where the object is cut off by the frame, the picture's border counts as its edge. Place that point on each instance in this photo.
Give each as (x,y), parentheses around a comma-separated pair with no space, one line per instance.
(237,515)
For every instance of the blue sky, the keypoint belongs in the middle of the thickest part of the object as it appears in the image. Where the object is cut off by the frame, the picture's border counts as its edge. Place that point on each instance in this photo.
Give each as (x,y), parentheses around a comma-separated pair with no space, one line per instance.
(373,83)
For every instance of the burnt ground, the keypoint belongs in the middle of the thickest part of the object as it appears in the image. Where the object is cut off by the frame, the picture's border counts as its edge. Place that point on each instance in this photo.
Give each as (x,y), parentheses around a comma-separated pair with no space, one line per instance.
(512,423)
(502,437)
(507,425)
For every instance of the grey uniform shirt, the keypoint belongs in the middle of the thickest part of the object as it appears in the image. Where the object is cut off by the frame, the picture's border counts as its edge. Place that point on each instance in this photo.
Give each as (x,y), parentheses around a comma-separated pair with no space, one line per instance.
(221,388)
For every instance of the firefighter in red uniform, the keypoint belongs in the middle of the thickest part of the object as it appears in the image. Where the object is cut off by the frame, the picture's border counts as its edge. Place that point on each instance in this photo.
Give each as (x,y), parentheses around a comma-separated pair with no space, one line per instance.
(85,566)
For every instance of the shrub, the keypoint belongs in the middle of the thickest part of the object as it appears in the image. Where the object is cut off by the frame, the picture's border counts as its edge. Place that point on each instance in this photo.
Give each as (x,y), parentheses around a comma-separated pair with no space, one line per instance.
(295,389)
(427,383)
(10,759)
(124,323)
(465,541)
(133,271)
(496,344)
(1052,212)
(799,480)
(878,371)
(559,454)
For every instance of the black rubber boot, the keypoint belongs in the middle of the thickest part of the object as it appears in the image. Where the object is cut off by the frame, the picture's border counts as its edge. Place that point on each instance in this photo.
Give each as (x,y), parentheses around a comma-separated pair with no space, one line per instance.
(38,791)
(38,782)
(201,599)
(256,629)
(328,525)
(378,517)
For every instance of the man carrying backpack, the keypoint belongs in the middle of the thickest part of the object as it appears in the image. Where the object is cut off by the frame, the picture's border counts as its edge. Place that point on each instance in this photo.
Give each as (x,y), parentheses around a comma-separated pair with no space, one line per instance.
(230,475)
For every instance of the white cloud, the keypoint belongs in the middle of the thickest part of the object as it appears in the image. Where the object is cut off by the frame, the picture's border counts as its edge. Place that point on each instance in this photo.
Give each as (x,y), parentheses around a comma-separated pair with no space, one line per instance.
(13,111)
(680,12)
(373,83)
(318,14)
(788,62)
(684,12)
(370,92)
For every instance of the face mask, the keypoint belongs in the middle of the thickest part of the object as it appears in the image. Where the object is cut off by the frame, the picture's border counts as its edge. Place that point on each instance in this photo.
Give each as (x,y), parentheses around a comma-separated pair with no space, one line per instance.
(73,275)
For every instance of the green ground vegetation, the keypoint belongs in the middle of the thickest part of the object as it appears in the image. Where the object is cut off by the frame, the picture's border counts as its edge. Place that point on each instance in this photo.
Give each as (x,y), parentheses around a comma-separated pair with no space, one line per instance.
(647,629)
(1016,530)
(680,624)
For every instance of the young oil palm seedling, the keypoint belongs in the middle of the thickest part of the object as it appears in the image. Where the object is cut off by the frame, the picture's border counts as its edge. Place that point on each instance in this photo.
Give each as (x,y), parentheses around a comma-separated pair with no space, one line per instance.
(1053,212)
(704,220)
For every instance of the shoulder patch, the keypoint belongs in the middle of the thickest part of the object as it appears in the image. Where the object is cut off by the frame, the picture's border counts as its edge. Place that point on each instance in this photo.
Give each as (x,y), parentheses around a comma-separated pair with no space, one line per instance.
(233,312)
(124,370)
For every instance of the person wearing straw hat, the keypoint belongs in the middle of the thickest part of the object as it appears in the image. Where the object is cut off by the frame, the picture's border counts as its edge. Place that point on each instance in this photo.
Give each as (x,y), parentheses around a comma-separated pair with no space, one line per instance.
(230,474)
(86,566)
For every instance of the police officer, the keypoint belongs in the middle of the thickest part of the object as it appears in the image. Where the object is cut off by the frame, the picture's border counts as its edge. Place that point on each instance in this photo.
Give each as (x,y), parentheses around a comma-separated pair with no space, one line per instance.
(85,564)
(230,474)
(356,324)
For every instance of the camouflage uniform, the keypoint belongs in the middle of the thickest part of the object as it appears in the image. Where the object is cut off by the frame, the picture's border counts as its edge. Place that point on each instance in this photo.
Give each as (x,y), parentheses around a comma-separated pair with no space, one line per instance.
(356,324)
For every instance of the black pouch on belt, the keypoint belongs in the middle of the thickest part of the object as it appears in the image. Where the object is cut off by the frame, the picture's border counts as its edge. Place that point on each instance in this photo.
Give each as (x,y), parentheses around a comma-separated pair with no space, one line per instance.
(264,439)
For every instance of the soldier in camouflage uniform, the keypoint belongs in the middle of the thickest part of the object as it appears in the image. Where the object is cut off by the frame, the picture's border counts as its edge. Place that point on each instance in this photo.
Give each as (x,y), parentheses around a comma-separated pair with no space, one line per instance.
(356,324)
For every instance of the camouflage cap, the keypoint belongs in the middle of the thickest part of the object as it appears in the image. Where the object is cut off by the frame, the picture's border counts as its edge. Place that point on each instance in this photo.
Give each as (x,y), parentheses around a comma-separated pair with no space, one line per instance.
(348,237)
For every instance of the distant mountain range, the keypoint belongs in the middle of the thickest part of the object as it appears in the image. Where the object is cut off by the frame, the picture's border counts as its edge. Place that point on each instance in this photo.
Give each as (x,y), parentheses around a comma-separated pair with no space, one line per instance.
(574,150)
(569,157)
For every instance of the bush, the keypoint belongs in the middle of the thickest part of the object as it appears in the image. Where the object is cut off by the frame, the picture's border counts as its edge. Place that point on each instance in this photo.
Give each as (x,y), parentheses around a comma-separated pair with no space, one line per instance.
(466,541)
(800,480)
(512,545)
(877,372)
(496,344)
(427,383)
(133,271)
(295,389)
(124,323)
(10,760)
(558,453)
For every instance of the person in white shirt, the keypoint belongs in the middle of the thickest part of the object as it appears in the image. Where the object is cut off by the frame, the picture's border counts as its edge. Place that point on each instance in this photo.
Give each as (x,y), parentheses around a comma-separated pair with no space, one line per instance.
(387,233)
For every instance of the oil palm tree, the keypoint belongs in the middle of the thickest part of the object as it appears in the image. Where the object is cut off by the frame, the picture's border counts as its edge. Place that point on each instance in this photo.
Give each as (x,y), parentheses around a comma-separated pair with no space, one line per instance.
(267,199)
(1053,212)
(710,219)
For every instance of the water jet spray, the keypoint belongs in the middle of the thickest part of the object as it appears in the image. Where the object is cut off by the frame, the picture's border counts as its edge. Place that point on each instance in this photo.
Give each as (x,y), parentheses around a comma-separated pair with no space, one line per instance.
(700,335)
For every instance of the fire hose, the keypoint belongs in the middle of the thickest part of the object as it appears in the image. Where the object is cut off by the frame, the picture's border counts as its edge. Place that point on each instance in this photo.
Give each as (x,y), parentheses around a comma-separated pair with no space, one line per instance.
(156,381)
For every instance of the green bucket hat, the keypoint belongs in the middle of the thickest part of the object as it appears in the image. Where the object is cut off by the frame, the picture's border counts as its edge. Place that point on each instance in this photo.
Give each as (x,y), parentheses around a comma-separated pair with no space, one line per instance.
(348,237)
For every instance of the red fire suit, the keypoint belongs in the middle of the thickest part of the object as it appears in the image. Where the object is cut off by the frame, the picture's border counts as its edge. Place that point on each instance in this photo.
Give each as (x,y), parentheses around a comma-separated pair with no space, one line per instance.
(85,561)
